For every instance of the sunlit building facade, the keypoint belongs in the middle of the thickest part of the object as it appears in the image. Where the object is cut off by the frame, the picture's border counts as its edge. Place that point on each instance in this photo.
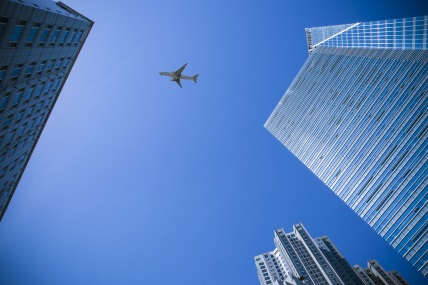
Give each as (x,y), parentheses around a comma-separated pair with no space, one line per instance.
(316,261)
(39,43)
(356,116)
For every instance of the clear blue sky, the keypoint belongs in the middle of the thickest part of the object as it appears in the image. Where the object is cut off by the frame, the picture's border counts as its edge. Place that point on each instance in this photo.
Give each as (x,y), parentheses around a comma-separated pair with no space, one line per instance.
(136,181)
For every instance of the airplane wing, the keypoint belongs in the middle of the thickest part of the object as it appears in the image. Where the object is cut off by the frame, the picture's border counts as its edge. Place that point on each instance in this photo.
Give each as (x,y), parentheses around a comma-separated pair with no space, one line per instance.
(178,72)
(178,82)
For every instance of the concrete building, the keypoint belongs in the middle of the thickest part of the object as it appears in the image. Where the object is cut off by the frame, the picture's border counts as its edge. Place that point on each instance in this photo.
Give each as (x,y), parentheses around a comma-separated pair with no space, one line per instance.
(39,42)
(374,274)
(300,259)
(356,116)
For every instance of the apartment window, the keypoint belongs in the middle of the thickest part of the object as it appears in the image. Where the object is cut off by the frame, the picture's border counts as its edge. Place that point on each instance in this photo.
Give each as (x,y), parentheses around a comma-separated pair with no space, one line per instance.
(48,86)
(41,66)
(39,90)
(45,35)
(30,69)
(2,71)
(17,98)
(30,110)
(66,62)
(7,122)
(64,36)
(55,85)
(50,66)
(3,24)
(3,102)
(40,119)
(21,129)
(70,38)
(9,137)
(55,36)
(19,115)
(30,39)
(58,63)
(79,35)
(31,124)
(16,34)
(16,71)
(29,93)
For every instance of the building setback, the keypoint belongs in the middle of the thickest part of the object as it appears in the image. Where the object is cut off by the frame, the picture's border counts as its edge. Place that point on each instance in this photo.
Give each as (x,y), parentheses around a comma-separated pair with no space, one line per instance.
(316,261)
(39,43)
(356,116)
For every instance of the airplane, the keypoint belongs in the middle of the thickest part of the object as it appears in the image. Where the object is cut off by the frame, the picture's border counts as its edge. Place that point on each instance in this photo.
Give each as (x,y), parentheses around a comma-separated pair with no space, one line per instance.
(176,75)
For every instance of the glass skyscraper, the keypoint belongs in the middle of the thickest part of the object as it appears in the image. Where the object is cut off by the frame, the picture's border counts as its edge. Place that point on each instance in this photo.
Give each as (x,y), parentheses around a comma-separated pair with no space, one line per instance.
(356,116)
(39,43)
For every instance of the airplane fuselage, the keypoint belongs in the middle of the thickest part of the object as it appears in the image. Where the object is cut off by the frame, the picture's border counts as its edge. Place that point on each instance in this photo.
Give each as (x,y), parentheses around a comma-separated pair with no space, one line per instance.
(175,76)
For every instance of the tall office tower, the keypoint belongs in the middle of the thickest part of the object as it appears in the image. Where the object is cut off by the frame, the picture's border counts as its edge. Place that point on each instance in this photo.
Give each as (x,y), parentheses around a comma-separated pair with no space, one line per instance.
(39,43)
(397,277)
(268,269)
(374,274)
(317,261)
(356,116)
(298,255)
(337,261)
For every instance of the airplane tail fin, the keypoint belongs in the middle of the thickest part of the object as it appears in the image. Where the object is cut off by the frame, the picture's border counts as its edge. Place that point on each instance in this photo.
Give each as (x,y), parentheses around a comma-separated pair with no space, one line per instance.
(195,77)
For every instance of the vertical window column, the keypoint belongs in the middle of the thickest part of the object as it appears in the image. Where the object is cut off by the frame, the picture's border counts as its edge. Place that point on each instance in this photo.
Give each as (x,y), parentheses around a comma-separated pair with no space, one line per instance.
(45,35)
(33,33)
(55,36)
(3,24)
(16,34)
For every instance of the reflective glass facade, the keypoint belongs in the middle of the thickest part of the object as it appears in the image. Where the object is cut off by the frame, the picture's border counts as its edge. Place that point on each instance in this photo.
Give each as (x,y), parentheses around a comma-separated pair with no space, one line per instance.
(357,118)
(407,33)
(37,52)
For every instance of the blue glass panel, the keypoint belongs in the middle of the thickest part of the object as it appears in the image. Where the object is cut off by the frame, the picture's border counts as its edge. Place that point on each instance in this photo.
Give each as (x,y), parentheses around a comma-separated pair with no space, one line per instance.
(16,34)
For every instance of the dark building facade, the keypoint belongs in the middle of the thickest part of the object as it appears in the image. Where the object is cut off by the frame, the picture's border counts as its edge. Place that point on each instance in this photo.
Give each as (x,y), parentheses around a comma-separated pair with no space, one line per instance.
(39,42)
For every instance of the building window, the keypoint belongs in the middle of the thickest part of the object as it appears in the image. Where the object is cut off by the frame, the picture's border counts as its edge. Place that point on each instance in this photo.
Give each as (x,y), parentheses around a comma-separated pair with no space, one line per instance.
(70,38)
(41,66)
(29,93)
(48,86)
(7,122)
(66,62)
(16,34)
(17,98)
(3,102)
(30,39)
(64,36)
(39,90)
(55,36)
(45,35)
(58,63)
(50,66)
(79,35)
(55,85)
(16,71)
(30,69)
(3,24)
(2,72)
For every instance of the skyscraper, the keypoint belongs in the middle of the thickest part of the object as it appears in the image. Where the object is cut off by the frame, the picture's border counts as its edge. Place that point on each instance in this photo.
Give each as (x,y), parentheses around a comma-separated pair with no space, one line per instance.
(39,43)
(356,116)
(317,261)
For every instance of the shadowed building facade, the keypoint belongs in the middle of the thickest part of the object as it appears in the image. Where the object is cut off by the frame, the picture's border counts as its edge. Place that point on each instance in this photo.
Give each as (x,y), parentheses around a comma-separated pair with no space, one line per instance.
(356,116)
(39,43)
